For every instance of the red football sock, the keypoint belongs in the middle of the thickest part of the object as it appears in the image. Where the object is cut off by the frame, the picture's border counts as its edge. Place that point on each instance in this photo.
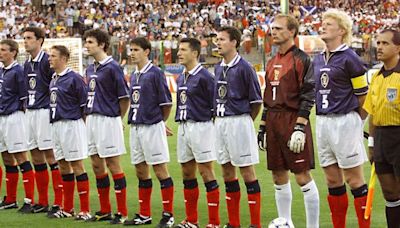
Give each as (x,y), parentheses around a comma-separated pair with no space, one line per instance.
(254,200)
(359,205)
(233,202)
(68,187)
(145,188)
(57,184)
(167,194)
(338,205)
(191,196)
(42,183)
(103,189)
(83,191)
(12,176)
(213,207)
(28,178)
(120,193)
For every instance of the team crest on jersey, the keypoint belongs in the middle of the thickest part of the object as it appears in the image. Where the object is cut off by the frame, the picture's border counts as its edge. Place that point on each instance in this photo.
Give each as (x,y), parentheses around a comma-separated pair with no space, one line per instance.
(92,84)
(53,97)
(324,79)
(222,91)
(391,94)
(32,83)
(135,96)
(276,74)
(183,97)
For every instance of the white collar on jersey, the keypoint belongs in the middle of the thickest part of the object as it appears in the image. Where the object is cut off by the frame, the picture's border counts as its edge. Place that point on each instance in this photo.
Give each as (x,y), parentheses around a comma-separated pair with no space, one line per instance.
(13,64)
(340,48)
(144,69)
(106,60)
(38,58)
(195,70)
(233,62)
(64,72)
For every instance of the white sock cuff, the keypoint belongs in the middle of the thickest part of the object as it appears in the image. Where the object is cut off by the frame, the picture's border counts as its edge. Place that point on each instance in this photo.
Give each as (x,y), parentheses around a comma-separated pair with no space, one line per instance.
(309,188)
(283,187)
(393,204)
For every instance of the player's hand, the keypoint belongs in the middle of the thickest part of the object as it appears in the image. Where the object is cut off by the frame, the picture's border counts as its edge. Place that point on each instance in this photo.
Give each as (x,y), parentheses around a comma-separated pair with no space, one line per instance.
(371,154)
(262,137)
(168,131)
(298,138)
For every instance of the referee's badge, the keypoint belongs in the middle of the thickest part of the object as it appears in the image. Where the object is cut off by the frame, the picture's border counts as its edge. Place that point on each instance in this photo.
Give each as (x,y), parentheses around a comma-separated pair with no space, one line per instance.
(92,84)
(32,83)
(135,96)
(53,97)
(324,79)
(222,91)
(391,94)
(183,97)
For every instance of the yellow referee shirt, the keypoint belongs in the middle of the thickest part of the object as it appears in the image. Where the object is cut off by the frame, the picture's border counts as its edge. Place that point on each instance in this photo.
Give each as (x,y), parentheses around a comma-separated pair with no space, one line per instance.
(383,98)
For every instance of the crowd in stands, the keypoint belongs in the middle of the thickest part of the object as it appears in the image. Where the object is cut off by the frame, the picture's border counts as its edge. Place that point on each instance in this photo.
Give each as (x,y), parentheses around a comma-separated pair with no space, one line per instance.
(170,20)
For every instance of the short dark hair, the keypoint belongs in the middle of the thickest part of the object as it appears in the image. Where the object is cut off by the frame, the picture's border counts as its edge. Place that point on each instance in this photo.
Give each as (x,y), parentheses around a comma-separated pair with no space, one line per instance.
(142,42)
(39,33)
(194,44)
(396,35)
(101,36)
(13,46)
(63,50)
(234,34)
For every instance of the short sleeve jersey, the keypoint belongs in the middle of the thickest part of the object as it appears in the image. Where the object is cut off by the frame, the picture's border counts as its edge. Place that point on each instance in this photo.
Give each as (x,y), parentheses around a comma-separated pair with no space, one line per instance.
(106,86)
(339,78)
(236,87)
(67,96)
(149,92)
(39,74)
(13,90)
(195,95)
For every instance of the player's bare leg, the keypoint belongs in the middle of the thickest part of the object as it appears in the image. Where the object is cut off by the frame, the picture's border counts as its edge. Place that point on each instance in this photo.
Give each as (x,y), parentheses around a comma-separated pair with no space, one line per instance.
(391,192)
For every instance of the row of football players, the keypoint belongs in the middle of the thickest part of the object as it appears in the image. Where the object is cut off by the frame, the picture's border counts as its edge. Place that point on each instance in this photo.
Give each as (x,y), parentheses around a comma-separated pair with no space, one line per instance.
(233,97)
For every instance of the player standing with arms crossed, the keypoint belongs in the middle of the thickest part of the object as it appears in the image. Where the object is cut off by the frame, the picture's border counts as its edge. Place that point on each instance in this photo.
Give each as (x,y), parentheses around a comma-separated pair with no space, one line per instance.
(196,137)
(383,105)
(236,104)
(13,143)
(38,73)
(150,106)
(107,103)
(68,98)
(288,98)
(341,87)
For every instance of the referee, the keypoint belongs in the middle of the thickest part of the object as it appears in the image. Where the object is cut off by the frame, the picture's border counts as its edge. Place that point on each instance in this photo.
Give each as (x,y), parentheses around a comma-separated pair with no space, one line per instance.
(383,105)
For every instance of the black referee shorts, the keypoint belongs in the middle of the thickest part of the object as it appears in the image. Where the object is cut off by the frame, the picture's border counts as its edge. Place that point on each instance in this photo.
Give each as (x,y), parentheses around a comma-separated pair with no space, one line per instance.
(387,150)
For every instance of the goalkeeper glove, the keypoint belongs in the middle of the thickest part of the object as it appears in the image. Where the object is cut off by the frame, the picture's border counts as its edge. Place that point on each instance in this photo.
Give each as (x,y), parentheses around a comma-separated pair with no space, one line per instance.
(262,137)
(298,138)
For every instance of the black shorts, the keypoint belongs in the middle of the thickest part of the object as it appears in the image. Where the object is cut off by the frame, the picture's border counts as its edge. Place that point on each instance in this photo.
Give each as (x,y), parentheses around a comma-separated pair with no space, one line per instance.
(279,157)
(387,150)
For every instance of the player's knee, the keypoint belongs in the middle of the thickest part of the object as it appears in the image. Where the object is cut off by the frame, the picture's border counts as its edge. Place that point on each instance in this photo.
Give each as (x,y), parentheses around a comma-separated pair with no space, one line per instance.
(390,194)
(207,175)
(161,171)
(248,174)
(38,157)
(98,169)
(8,159)
(303,178)
(354,182)
(280,177)
(21,157)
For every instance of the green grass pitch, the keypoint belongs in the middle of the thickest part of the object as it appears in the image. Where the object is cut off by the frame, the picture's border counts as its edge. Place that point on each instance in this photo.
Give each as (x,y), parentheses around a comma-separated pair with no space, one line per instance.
(10,218)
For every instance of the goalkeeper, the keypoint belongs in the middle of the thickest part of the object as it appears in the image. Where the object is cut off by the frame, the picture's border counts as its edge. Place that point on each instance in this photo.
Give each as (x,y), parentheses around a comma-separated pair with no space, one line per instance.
(285,130)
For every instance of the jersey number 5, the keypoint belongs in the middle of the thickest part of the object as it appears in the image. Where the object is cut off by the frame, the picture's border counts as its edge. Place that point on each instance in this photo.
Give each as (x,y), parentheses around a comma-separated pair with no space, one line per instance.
(325,102)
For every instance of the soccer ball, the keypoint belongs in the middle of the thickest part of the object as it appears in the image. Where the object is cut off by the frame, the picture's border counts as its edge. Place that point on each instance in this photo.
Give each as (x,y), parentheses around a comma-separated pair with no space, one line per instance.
(279,223)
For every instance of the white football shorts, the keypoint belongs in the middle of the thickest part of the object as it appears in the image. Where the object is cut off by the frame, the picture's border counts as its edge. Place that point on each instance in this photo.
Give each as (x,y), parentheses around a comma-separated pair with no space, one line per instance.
(13,133)
(196,140)
(340,140)
(149,144)
(39,129)
(69,140)
(105,136)
(236,141)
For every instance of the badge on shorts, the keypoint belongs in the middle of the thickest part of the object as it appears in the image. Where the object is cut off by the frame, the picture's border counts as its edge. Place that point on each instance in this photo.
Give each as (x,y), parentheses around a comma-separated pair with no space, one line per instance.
(324,79)
(32,83)
(183,97)
(391,94)
(222,91)
(53,97)
(92,84)
(135,96)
